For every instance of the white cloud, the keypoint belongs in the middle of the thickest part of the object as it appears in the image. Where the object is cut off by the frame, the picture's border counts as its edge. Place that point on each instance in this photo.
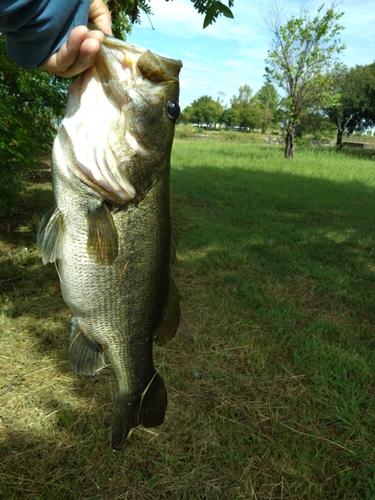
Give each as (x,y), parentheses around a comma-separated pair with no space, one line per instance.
(169,18)
(191,55)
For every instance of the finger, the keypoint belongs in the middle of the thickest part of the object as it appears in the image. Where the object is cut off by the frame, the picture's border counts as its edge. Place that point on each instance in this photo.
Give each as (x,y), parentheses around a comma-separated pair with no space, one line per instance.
(81,43)
(69,51)
(78,54)
(100,16)
(85,58)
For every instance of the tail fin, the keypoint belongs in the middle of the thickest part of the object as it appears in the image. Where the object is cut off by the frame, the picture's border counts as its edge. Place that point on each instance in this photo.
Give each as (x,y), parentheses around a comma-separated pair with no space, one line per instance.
(147,409)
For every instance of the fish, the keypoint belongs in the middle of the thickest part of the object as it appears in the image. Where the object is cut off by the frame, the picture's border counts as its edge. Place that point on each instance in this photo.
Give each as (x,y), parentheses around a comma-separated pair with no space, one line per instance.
(110,233)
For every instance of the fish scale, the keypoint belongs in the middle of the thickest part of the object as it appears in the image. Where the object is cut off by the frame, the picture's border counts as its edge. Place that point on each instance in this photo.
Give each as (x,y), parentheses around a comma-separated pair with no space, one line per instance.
(111,234)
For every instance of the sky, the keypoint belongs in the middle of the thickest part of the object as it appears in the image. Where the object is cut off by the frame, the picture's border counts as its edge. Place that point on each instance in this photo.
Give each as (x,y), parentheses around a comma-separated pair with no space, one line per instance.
(232,52)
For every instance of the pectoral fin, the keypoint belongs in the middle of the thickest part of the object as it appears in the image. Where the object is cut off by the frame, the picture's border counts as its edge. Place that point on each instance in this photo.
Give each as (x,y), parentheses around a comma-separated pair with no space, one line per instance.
(50,234)
(102,240)
(85,356)
(170,317)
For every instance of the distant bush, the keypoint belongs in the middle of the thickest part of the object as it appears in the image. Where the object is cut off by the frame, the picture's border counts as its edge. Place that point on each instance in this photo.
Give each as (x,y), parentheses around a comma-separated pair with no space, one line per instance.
(11,186)
(187,131)
(241,137)
(302,141)
(324,134)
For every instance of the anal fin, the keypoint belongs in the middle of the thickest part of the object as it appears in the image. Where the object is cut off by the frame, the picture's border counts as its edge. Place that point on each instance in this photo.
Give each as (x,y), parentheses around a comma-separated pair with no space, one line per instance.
(85,356)
(170,318)
(147,409)
(102,240)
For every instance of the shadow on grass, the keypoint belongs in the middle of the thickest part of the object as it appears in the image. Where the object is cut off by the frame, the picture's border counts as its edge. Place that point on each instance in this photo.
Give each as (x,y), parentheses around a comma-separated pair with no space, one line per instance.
(281,224)
(43,464)
(20,227)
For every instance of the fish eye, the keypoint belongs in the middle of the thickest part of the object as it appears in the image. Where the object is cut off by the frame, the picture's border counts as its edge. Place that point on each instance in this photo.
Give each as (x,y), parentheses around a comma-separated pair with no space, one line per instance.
(173,109)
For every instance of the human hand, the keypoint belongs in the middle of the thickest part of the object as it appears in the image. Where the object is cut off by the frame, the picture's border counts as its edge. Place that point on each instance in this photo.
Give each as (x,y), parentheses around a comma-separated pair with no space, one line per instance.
(82,47)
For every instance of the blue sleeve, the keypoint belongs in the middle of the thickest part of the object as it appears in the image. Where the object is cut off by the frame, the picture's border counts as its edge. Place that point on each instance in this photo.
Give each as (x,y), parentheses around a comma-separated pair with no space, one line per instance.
(35,29)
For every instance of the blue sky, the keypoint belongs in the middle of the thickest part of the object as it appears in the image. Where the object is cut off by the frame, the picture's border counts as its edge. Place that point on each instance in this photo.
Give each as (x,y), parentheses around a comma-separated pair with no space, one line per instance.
(232,52)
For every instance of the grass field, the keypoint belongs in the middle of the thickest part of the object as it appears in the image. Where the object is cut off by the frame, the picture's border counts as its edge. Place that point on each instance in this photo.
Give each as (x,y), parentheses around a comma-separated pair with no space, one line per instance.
(271,376)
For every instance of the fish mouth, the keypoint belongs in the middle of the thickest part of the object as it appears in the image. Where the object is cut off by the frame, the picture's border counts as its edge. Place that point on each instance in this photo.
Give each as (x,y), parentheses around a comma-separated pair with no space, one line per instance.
(101,122)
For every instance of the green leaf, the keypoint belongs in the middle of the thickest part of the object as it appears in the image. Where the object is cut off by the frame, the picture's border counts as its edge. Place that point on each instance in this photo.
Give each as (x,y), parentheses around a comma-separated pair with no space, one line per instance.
(213,12)
(225,10)
(4,128)
(210,16)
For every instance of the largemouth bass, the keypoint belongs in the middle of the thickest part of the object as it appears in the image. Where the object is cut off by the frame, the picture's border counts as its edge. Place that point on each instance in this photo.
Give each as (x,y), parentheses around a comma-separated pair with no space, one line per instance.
(110,233)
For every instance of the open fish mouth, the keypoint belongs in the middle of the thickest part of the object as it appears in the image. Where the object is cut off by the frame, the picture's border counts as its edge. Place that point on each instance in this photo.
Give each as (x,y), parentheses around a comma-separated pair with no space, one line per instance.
(105,128)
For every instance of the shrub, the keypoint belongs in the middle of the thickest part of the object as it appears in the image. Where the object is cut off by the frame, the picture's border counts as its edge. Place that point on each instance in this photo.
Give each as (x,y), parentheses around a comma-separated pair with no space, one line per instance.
(187,131)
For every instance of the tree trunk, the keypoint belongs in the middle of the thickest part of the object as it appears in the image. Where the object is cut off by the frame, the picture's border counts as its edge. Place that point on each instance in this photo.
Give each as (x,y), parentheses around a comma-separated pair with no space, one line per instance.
(289,142)
(340,132)
(339,139)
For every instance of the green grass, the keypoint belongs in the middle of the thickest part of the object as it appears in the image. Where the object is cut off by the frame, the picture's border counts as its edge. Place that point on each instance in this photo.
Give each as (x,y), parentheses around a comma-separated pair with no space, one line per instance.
(271,376)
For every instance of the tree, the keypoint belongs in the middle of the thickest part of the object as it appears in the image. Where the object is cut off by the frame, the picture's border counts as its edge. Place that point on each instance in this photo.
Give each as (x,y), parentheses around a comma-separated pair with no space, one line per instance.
(244,99)
(30,103)
(250,117)
(355,110)
(229,117)
(269,102)
(268,93)
(245,104)
(300,63)
(266,118)
(315,123)
(203,110)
